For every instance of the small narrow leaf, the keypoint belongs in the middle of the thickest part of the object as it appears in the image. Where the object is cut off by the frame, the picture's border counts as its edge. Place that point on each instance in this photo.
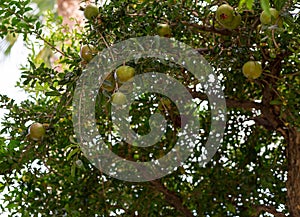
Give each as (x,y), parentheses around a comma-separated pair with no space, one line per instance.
(52,93)
(73,152)
(242,3)
(276,102)
(265,5)
(249,4)
(73,168)
(279,4)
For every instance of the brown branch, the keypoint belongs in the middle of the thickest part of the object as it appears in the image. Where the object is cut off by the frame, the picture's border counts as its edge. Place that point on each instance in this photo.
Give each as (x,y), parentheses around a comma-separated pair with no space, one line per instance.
(244,104)
(172,199)
(269,209)
(231,103)
(262,121)
(268,119)
(293,184)
(203,50)
(198,95)
(248,106)
(207,28)
(268,96)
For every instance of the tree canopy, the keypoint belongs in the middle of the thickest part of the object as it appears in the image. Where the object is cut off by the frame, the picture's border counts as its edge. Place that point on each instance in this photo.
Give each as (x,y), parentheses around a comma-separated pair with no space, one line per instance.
(256,168)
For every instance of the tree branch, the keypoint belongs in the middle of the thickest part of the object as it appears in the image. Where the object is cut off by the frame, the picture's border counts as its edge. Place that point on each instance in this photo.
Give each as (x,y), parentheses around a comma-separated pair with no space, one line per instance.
(268,121)
(244,104)
(231,103)
(203,50)
(207,28)
(262,121)
(269,209)
(172,198)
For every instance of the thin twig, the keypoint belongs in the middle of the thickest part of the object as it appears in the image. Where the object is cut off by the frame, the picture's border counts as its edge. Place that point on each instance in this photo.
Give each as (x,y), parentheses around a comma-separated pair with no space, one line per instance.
(107,46)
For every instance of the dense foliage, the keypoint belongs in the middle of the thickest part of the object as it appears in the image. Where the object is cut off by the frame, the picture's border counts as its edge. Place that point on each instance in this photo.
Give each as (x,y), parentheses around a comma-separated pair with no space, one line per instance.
(248,174)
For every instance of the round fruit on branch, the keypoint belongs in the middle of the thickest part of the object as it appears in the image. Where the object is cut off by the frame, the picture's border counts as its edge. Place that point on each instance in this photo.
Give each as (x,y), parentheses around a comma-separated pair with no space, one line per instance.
(36,131)
(125,73)
(252,69)
(225,14)
(227,17)
(87,52)
(164,30)
(271,18)
(91,11)
(118,98)
(237,19)
(109,83)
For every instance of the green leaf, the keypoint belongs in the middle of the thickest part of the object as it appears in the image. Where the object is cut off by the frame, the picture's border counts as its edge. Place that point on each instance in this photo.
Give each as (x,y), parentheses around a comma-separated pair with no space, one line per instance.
(231,208)
(265,5)
(2,187)
(249,4)
(12,205)
(52,93)
(73,169)
(71,146)
(242,3)
(72,140)
(276,102)
(279,4)
(73,152)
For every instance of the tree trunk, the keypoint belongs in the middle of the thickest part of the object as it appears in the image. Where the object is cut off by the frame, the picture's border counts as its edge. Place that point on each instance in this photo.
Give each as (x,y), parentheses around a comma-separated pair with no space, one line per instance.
(293,182)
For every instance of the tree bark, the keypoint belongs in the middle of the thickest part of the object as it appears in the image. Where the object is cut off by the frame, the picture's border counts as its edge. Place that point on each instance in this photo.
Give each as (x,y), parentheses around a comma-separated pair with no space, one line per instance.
(291,135)
(293,182)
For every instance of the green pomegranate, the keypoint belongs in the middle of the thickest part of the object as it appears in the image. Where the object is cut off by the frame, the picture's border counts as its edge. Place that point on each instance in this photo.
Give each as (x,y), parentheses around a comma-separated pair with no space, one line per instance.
(252,69)
(271,18)
(164,30)
(118,98)
(237,19)
(125,73)
(91,11)
(225,14)
(109,83)
(87,52)
(36,131)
